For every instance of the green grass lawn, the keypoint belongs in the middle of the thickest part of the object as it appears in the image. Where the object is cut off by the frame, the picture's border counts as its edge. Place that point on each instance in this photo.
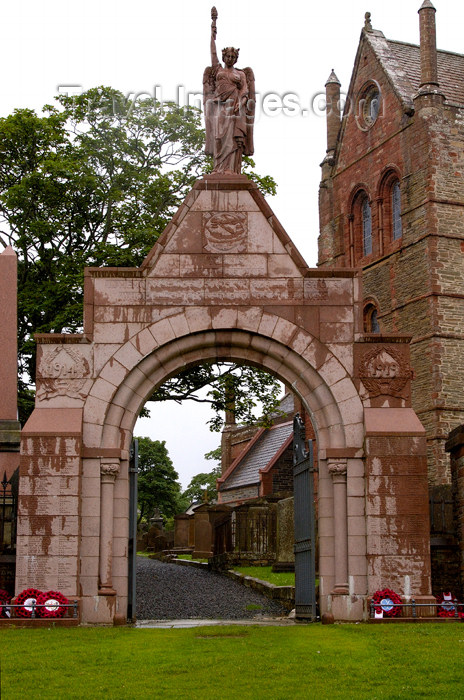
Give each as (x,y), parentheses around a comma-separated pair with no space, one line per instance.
(279,663)
(265,573)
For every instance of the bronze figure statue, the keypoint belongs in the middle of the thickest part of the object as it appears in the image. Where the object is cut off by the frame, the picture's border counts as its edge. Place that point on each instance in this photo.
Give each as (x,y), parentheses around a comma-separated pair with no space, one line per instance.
(229,108)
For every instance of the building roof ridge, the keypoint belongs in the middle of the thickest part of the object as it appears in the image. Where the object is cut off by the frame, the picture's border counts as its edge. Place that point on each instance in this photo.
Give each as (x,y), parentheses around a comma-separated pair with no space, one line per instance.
(417,46)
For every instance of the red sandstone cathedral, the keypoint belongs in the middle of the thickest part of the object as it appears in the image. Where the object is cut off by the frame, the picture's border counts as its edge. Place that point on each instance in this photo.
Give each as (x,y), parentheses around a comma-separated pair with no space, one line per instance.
(391,201)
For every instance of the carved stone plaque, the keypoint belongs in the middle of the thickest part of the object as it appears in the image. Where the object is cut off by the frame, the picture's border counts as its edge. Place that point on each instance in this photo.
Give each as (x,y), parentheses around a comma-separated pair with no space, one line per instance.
(225,232)
(384,371)
(62,371)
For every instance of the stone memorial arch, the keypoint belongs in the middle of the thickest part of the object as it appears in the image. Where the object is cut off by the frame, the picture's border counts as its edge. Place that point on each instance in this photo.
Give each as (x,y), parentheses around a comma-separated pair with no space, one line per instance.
(223,282)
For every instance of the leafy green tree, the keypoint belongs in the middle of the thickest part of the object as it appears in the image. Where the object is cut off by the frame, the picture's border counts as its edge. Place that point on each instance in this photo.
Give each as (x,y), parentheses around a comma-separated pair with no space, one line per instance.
(158,485)
(93,181)
(233,388)
(201,483)
(205,481)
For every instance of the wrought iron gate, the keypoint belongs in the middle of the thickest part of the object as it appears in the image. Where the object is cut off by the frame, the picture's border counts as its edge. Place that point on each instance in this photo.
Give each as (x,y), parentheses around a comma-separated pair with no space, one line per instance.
(305,543)
(132,548)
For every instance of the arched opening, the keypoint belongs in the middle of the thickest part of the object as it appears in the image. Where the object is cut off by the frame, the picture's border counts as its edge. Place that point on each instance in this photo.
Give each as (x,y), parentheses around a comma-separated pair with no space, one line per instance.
(319,390)
(248,526)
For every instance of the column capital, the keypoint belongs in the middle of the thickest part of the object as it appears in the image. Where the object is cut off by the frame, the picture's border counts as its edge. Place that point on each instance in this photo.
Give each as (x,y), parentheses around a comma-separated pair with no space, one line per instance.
(109,468)
(337,468)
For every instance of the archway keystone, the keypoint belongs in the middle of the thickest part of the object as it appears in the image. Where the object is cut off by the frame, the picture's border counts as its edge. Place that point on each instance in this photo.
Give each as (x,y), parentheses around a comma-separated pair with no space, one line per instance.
(224,282)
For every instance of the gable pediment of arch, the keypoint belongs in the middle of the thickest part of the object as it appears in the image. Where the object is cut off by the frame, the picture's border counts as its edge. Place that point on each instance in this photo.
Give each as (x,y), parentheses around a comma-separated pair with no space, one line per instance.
(225,245)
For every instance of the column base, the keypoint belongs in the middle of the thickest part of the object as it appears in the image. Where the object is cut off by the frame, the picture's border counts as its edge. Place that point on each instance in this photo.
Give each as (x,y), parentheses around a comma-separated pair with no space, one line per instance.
(106,590)
(348,608)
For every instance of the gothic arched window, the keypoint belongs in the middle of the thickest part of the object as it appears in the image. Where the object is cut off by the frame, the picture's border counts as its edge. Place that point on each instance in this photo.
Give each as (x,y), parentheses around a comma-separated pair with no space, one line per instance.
(361,227)
(371,319)
(366,226)
(389,193)
(396,225)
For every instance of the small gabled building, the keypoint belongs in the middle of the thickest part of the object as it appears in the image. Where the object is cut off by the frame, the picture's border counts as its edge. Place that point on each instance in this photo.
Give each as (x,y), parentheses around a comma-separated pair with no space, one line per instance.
(257,461)
(263,469)
(391,201)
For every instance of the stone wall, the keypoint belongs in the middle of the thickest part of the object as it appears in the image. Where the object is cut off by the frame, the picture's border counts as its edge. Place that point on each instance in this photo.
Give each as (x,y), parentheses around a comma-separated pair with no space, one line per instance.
(455,446)
(243,493)
(50,523)
(282,473)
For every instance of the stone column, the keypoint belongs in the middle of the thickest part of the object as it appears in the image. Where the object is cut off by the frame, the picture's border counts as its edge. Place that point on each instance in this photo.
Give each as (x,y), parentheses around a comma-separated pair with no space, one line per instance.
(428,45)
(109,470)
(337,468)
(380,224)
(8,339)
(352,241)
(430,93)
(332,93)
(10,428)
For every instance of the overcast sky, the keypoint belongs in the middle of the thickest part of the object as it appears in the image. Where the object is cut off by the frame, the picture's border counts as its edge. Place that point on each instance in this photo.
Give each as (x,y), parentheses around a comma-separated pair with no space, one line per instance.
(133,46)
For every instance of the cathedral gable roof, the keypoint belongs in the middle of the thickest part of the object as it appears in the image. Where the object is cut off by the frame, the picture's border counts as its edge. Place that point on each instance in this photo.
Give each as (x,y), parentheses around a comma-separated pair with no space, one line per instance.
(450,69)
(401,64)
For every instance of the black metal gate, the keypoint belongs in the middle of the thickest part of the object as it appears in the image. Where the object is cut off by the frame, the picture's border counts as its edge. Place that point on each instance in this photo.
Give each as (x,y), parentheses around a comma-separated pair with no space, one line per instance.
(132,548)
(305,541)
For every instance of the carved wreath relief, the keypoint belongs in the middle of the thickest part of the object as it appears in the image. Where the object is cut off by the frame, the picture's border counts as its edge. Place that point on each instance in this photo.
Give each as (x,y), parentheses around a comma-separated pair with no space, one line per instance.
(62,372)
(225,232)
(384,372)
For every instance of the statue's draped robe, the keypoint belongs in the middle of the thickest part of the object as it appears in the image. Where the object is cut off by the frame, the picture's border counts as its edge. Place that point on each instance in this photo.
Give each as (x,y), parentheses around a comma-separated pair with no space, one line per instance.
(228,121)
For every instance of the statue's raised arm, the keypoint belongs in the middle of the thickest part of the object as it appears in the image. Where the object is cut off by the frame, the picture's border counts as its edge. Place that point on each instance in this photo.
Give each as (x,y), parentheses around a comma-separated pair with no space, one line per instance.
(229,107)
(214,57)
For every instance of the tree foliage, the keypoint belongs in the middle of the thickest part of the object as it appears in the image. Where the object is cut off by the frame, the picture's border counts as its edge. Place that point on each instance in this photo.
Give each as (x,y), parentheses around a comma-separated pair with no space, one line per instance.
(204,484)
(92,181)
(237,389)
(158,485)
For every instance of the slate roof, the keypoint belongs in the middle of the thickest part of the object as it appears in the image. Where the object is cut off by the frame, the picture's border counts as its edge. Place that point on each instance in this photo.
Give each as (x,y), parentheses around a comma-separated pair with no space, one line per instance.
(401,63)
(258,456)
(450,69)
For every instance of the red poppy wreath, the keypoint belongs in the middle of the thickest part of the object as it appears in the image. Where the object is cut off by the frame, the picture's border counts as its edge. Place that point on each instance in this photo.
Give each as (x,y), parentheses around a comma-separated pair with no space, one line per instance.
(4,603)
(388,602)
(25,600)
(445,605)
(54,604)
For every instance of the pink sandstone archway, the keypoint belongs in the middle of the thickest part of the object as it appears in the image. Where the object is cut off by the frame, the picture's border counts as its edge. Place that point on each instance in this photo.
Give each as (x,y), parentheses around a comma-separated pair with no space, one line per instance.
(223,282)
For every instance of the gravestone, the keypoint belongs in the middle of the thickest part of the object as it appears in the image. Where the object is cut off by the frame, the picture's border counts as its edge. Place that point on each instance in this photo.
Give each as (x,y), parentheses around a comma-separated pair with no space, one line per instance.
(203,534)
(181,531)
(285,557)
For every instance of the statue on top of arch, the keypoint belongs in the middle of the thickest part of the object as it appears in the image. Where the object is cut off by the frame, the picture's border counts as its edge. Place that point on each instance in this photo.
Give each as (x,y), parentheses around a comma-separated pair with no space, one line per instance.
(229,108)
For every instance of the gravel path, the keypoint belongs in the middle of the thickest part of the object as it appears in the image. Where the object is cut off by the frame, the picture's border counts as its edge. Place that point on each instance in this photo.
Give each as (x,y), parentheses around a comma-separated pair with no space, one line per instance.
(170,591)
